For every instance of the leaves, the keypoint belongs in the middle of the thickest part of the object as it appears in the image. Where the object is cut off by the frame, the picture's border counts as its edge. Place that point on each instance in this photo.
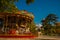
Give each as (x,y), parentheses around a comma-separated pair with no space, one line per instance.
(7,5)
(48,23)
(29,1)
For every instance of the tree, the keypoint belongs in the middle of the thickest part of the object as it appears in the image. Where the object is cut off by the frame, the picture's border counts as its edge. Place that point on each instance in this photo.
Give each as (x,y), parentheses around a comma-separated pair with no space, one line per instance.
(48,23)
(51,18)
(9,5)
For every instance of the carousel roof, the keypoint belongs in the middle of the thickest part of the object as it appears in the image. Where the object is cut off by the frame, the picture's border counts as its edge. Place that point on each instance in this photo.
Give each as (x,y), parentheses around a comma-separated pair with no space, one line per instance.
(23,12)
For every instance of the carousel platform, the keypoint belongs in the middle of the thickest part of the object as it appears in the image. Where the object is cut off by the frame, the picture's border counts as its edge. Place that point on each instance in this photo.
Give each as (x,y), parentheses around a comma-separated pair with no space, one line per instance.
(16,36)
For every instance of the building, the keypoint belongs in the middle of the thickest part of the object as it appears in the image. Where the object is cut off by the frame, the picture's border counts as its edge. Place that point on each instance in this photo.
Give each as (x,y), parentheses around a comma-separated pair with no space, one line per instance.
(11,23)
(57,27)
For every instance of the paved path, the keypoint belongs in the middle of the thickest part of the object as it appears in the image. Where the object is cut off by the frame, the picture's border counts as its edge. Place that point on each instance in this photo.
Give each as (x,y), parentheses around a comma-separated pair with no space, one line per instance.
(48,37)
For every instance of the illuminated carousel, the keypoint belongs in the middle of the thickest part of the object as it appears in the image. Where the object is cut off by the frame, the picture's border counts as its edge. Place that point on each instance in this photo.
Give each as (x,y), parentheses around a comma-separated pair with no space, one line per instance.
(15,24)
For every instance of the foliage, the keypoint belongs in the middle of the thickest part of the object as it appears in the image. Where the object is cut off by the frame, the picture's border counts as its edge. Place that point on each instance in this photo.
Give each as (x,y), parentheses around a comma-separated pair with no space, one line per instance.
(29,1)
(48,24)
(9,5)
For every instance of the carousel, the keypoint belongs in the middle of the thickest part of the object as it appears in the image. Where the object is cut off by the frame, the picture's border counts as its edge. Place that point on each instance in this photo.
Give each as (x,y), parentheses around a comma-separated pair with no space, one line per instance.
(15,24)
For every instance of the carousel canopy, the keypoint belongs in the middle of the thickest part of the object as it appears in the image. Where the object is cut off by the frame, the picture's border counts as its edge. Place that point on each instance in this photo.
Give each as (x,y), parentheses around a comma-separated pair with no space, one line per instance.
(23,12)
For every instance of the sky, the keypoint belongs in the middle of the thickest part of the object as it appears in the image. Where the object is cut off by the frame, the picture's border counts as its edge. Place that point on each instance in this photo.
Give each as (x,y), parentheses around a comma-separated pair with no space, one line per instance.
(40,8)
